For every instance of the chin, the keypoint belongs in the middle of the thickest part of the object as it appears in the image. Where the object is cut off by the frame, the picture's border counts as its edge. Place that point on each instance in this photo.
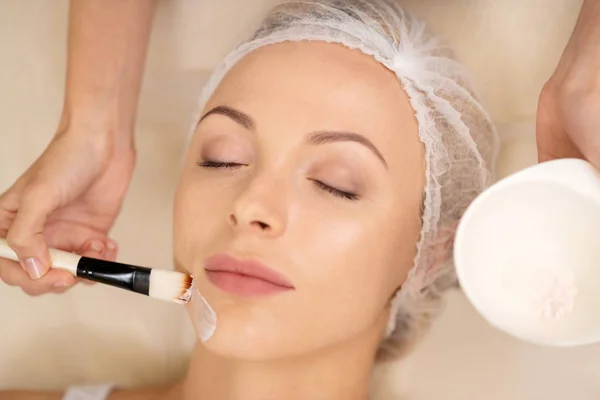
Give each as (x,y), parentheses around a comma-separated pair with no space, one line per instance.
(242,334)
(250,328)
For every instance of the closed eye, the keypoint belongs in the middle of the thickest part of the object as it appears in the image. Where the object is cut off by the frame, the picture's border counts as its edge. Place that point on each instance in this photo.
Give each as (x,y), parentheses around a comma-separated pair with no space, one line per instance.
(219,164)
(336,192)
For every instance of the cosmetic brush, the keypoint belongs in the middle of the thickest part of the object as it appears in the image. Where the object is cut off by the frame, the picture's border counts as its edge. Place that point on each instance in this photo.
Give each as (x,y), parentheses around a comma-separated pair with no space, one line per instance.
(157,283)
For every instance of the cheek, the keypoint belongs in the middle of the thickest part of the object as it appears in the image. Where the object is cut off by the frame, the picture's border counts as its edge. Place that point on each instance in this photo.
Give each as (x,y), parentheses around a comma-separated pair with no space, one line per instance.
(351,265)
(197,216)
(362,248)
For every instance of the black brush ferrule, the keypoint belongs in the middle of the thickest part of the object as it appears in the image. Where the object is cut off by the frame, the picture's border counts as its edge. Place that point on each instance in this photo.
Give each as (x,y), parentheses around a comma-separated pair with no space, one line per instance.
(124,276)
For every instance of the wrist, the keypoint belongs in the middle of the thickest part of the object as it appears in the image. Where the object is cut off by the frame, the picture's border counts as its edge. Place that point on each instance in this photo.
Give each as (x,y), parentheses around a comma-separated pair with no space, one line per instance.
(589,14)
(591,4)
(102,130)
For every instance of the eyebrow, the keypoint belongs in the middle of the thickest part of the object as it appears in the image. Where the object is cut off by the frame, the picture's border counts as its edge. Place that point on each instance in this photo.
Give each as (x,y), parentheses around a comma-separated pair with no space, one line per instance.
(237,116)
(324,137)
(317,138)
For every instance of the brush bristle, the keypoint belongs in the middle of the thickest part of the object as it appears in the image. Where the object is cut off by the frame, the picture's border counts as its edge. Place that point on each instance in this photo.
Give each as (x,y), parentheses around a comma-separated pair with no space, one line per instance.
(170,285)
(179,288)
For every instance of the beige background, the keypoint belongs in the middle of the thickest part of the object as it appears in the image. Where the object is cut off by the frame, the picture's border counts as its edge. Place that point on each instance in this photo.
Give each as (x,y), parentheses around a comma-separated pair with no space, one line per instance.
(96,334)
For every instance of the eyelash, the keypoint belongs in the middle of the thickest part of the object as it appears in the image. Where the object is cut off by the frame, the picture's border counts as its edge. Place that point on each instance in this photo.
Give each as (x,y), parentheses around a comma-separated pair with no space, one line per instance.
(336,192)
(218,164)
(333,191)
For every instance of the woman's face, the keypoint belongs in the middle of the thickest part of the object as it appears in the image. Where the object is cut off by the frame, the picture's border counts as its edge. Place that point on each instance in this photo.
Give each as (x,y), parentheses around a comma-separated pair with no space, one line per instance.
(298,208)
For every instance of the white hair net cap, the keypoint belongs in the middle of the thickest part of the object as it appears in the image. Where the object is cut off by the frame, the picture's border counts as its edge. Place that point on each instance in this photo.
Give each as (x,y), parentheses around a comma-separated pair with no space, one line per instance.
(459,139)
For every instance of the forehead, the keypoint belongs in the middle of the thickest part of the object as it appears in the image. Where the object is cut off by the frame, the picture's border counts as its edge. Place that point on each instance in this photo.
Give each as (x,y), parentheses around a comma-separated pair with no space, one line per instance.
(308,86)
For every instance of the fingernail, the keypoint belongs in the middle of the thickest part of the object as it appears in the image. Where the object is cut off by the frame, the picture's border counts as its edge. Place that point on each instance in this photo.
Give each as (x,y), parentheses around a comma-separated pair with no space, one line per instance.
(111,244)
(34,268)
(97,245)
(61,285)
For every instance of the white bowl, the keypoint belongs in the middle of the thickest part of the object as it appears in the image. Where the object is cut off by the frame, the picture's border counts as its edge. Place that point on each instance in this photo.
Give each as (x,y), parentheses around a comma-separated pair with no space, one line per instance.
(527,254)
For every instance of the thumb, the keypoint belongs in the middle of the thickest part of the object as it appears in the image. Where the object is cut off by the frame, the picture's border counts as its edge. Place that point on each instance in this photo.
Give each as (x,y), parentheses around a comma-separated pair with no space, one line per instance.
(25,235)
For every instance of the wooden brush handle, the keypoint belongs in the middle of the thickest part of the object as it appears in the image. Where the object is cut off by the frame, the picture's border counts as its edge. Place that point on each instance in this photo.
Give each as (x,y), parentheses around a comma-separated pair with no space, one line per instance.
(60,259)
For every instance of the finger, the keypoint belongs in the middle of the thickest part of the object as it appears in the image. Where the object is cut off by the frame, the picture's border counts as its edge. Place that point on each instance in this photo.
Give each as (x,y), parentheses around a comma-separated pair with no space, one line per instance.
(9,205)
(555,144)
(580,112)
(95,248)
(61,291)
(13,275)
(110,254)
(552,140)
(112,250)
(25,234)
(86,282)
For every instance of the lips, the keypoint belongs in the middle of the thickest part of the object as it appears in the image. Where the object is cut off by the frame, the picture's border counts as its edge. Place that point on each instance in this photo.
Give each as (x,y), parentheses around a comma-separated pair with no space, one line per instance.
(244,277)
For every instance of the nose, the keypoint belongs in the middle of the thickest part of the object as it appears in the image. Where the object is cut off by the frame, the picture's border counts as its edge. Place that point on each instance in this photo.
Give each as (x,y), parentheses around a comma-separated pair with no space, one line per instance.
(260,209)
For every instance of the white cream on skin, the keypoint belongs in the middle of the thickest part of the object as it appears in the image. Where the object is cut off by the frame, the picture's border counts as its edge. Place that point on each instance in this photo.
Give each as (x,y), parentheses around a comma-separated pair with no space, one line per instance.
(202,314)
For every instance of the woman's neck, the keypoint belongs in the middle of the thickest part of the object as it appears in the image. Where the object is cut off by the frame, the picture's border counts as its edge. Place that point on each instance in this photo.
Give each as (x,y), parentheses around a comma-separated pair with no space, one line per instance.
(339,373)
